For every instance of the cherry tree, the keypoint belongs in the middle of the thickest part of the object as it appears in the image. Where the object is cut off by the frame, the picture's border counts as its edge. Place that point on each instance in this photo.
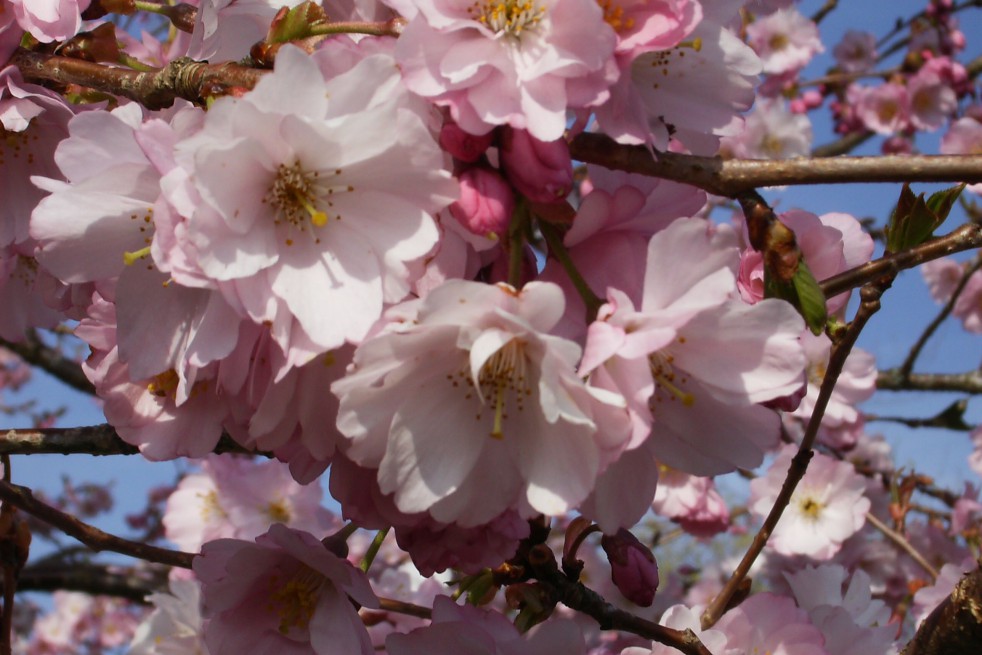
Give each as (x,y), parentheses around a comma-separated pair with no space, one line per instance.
(466,316)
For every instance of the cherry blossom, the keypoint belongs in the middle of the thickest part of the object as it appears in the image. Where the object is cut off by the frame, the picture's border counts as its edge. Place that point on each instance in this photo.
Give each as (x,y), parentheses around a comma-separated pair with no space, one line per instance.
(285,592)
(175,626)
(827,506)
(767,623)
(785,40)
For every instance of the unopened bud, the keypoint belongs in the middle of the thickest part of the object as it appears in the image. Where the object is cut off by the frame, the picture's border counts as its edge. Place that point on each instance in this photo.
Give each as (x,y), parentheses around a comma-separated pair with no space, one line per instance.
(632,567)
(462,145)
(542,171)
(486,202)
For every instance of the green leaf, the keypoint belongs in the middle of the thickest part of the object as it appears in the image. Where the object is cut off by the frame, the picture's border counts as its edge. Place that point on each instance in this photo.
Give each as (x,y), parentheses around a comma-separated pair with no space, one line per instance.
(914,221)
(810,299)
(296,23)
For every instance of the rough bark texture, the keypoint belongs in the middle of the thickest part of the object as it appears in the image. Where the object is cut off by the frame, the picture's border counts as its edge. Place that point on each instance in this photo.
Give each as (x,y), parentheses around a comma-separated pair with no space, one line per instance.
(955,626)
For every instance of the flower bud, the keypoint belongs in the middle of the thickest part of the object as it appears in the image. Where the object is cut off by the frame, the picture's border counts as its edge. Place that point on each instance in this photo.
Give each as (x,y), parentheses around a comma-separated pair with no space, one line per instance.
(541,171)
(463,145)
(486,202)
(632,567)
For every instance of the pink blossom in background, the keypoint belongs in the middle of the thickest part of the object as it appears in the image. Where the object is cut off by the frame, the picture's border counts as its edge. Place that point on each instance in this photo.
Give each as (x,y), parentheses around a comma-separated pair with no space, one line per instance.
(827,507)
(932,100)
(856,383)
(943,276)
(975,458)
(680,617)
(175,626)
(224,30)
(849,619)
(285,593)
(964,137)
(768,623)
(458,629)
(770,131)
(507,64)
(785,40)
(926,599)
(856,52)
(883,109)
(692,502)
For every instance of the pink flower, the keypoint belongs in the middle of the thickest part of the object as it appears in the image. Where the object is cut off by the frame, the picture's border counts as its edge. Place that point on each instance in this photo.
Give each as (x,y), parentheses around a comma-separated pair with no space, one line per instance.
(680,617)
(285,593)
(884,109)
(50,20)
(507,63)
(692,502)
(975,458)
(175,625)
(932,99)
(771,132)
(927,599)
(856,52)
(828,505)
(458,629)
(474,408)
(785,40)
(856,383)
(943,277)
(311,230)
(964,137)
(767,623)
(691,92)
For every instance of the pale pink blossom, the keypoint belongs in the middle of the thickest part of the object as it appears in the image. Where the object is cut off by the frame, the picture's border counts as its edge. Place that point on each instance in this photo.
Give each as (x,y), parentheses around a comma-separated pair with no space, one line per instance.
(856,52)
(285,593)
(768,623)
(932,99)
(964,137)
(680,617)
(849,619)
(175,626)
(224,30)
(33,121)
(311,230)
(828,505)
(692,502)
(507,63)
(460,629)
(943,276)
(475,395)
(49,20)
(927,598)
(22,286)
(855,383)
(975,458)
(692,92)
(785,40)
(693,358)
(883,109)
(770,131)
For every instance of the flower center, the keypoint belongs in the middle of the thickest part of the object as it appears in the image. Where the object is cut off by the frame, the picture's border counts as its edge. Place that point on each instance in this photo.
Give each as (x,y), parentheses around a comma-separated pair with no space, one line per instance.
(278,512)
(663,58)
(778,42)
(211,509)
(298,197)
(810,508)
(295,598)
(614,16)
(510,17)
(663,372)
(164,384)
(502,375)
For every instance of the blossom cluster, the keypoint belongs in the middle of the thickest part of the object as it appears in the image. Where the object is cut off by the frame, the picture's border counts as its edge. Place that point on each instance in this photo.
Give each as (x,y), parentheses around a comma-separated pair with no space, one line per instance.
(378,261)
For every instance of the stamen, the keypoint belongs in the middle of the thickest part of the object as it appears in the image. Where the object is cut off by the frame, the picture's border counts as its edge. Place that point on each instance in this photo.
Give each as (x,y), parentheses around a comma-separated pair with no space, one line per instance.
(510,17)
(129,258)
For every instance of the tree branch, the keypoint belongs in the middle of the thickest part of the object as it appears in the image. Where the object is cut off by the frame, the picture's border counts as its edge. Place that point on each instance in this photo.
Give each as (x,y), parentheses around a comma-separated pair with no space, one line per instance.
(94,538)
(892,380)
(34,351)
(735,176)
(955,626)
(86,440)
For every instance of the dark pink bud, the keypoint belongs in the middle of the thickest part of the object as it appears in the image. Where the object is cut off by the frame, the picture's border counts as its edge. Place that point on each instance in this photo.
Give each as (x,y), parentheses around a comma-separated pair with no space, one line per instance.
(486,202)
(541,171)
(632,567)
(465,147)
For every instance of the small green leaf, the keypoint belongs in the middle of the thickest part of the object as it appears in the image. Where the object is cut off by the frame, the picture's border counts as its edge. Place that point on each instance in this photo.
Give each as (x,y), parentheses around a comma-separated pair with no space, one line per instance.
(941,202)
(296,23)
(810,299)
(914,220)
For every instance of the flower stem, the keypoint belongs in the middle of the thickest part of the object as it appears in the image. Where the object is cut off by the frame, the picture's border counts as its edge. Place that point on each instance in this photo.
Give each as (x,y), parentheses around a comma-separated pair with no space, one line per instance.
(366,561)
(558,250)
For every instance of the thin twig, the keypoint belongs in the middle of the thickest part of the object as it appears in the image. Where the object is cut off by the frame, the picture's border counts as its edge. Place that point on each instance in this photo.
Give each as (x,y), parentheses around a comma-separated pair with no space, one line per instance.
(891,380)
(94,538)
(870,304)
(86,440)
(902,543)
(34,351)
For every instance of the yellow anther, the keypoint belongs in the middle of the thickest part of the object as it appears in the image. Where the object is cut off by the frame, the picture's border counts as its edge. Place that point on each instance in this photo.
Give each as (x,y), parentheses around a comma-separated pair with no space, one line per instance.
(130,257)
